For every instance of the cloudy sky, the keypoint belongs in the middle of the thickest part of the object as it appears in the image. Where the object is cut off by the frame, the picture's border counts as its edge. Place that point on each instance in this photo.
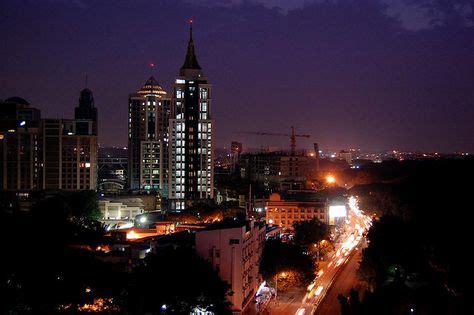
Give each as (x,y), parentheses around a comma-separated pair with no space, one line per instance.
(362,73)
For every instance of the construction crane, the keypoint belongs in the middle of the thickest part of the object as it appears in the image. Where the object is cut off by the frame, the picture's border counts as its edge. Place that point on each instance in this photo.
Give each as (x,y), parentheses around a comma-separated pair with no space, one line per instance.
(292,136)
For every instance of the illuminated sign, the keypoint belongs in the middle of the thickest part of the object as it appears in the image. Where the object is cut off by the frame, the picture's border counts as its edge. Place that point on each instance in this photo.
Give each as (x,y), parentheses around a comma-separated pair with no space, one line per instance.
(337,211)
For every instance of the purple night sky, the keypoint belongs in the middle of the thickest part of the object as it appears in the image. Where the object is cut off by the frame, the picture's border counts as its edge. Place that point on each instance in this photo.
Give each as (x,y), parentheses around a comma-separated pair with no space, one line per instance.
(361,73)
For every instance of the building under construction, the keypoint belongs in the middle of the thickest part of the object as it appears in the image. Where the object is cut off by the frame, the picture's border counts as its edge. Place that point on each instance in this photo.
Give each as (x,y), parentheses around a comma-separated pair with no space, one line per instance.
(279,171)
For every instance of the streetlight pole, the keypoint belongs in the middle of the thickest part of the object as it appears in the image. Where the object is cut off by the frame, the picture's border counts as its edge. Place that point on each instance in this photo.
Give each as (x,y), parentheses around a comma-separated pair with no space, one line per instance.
(276,285)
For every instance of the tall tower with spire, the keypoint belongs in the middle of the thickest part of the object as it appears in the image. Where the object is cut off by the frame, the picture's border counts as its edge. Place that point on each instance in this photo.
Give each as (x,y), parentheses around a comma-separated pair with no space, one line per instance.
(191,134)
(148,118)
(86,113)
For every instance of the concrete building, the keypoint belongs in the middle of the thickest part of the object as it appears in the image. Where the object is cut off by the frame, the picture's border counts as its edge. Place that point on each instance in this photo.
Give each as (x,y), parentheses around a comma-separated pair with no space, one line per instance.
(278,170)
(48,153)
(113,169)
(149,112)
(122,209)
(191,135)
(85,114)
(293,207)
(69,155)
(20,155)
(345,156)
(234,249)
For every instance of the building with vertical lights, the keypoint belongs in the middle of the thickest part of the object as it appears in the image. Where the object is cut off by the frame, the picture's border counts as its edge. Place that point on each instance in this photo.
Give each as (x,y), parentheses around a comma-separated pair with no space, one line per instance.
(191,135)
(148,137)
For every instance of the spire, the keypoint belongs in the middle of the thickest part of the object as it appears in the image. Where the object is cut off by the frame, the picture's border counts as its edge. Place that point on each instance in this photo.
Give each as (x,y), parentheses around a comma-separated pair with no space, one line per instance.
(86,99)
(191,61)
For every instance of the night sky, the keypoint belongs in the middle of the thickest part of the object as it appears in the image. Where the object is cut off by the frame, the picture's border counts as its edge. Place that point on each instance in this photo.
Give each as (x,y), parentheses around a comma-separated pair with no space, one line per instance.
(368,74)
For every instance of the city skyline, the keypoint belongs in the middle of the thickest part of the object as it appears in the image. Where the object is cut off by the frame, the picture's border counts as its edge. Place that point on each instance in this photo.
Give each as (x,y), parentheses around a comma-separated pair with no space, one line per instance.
(369,83)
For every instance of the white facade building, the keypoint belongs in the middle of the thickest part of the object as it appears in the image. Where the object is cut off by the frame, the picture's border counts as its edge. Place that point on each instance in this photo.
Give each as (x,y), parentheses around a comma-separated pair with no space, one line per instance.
(234,250)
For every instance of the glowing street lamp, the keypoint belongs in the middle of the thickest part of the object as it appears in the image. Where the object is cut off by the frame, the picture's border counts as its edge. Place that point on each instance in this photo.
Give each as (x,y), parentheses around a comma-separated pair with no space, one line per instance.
(330,179)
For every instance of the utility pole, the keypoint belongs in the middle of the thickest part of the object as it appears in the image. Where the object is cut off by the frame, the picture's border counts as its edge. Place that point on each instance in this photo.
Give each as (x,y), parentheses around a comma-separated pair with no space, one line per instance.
(249,208)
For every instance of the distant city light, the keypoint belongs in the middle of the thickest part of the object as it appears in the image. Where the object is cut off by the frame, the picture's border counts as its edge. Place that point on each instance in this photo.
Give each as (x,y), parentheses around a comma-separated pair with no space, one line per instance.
(143,219)
(22,123)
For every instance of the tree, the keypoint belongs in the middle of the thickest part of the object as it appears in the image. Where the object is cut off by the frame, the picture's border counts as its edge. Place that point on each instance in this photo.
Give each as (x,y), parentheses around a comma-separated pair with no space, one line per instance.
(179,279)
(280,257)
(309,233)
(416,254)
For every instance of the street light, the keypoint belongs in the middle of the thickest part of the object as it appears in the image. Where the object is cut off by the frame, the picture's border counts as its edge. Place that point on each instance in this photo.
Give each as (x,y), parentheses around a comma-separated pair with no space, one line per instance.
(330,179)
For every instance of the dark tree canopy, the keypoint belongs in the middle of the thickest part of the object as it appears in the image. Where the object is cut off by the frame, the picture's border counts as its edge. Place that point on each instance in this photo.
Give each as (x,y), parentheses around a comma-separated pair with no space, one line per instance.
(280,257)
(417,252)
(179,279)
(310,232)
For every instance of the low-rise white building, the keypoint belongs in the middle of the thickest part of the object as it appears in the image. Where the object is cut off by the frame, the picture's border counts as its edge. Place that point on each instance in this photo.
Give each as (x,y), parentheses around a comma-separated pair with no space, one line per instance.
(123,209)
(235,250)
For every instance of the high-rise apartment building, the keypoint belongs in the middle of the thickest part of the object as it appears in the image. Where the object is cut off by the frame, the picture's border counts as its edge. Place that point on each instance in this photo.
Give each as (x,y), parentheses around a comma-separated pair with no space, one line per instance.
(20,161)
(191,135)
(148,137)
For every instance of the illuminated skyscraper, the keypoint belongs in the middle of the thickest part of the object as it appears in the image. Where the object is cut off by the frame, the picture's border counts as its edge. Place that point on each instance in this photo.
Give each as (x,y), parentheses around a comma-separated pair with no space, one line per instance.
(191,135)
(148,118)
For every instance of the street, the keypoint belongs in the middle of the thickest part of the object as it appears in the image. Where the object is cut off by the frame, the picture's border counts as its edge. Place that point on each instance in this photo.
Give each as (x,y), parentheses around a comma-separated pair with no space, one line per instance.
(336,275)
(344,282)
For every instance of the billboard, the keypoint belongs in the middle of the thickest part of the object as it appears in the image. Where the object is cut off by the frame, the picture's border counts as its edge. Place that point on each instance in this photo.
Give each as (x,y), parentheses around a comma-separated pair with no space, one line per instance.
(336,212)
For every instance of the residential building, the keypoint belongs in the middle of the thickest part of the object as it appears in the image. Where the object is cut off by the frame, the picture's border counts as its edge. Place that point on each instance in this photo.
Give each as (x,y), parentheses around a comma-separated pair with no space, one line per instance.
(20,157)
(191,135)
(48,153)
(285,209)
(69,154)
(234,249)
(149,112)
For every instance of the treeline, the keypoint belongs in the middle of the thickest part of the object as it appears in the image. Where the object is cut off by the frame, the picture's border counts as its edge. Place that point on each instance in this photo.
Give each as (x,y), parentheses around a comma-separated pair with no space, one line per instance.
(418,257)
(50,266)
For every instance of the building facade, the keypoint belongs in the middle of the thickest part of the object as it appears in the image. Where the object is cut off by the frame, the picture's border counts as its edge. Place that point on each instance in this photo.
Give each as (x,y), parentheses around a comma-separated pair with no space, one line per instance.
(148,138)
(235,251)
(69,158)
(191,135)
(293,208)
(278,170)
(47,153)
(20,154)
